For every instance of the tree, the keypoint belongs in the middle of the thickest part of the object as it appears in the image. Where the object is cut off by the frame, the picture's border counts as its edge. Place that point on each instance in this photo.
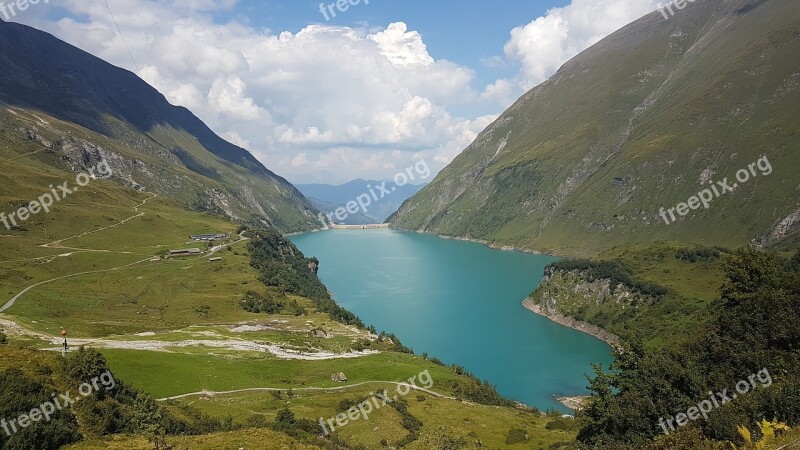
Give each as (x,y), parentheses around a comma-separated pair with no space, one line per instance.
(85,364)
(286,420)
(752,325)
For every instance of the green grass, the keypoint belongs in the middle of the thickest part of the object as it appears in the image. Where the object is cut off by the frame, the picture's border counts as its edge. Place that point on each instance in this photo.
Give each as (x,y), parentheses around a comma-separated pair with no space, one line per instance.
(585,161)
(164,375)
(168,374)
(164,301)
(659,321)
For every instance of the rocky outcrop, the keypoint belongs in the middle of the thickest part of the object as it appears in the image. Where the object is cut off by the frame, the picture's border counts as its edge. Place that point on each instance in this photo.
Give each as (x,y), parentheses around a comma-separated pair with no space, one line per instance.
(80,108)
(561,293)
(782,229)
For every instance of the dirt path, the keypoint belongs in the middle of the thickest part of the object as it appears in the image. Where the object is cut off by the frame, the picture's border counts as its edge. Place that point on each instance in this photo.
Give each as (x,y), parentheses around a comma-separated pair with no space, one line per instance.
(152,345)
(57,244)
(317,389)
(14,299)
(223,342)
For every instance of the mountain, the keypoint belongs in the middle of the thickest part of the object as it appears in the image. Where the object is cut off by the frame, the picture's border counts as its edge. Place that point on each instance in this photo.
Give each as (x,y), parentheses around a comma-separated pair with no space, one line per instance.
(80,109)
(239,315)
(643,120)
(328,198)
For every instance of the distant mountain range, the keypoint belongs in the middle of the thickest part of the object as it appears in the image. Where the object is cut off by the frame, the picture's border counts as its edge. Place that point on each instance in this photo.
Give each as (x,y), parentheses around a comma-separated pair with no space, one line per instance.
(328,198)
(150,144)
(643,120)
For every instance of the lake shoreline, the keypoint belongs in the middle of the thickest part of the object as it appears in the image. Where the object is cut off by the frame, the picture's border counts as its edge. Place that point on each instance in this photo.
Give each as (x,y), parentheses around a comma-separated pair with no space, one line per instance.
(504,248)
(576,403)
(446,275)
(609,338)
(570,322)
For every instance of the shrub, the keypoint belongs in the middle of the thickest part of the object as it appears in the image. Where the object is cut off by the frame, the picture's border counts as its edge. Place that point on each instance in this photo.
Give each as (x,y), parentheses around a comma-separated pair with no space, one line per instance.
(516,436)
(564,424)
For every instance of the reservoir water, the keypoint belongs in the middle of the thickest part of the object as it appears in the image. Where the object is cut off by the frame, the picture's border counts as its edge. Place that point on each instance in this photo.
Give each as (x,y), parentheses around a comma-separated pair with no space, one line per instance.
(461,302)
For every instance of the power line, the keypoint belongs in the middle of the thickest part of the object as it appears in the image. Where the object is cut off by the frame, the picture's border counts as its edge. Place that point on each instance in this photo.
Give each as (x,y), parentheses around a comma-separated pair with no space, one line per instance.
(138,72)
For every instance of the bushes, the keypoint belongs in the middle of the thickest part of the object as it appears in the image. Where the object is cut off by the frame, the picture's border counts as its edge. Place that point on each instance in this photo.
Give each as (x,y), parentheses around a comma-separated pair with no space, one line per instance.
(478,391)
(609,270)
(19,394)
(283,266)
(698,254)
(564,424)
(269,303)
(752,326)
(397,346)
(516,436)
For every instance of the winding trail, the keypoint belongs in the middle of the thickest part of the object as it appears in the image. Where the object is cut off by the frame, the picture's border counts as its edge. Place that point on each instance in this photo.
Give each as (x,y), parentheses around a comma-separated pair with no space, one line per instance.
(233,344)
(13,300)
(317,389)
(57,244)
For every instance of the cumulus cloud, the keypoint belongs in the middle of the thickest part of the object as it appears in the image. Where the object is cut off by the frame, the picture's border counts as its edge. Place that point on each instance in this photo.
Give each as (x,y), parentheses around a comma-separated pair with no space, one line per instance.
(327,103)
(547,42)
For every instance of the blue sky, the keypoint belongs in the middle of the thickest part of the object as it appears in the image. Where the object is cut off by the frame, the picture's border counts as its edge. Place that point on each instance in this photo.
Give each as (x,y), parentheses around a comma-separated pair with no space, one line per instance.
(465,32)
(377,89)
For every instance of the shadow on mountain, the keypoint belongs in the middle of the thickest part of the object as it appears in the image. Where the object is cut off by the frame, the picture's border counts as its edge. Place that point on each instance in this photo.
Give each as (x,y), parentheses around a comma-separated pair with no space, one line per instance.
(44,73)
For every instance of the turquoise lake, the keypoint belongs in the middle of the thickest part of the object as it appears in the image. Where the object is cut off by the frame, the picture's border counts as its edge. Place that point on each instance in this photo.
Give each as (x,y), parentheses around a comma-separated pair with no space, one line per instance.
(461,302)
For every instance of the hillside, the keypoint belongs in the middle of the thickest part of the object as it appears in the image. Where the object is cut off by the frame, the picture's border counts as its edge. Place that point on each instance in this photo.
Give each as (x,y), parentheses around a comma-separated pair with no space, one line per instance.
(62,105)
(233,343)
(655,292)
(257,322)
(643,120)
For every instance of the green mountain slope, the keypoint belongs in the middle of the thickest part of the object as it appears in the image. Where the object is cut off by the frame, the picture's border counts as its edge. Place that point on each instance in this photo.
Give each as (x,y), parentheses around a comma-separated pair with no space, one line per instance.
(75,109)
(242,326)
(640,121)
(97,265)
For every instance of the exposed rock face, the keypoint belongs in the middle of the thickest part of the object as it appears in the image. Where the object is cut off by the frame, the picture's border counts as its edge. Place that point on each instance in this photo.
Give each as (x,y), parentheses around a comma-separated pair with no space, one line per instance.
(574,288)
(320,333)
(83,110)
(339,377)
(782,229)
(574,403)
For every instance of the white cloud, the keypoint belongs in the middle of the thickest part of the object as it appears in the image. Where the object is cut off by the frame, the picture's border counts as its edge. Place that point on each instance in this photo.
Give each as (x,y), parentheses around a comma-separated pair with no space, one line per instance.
(402,47)
(546,43)
(327,103)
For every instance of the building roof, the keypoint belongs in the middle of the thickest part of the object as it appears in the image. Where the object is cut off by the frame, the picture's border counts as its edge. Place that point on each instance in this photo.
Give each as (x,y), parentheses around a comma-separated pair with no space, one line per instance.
(187,250)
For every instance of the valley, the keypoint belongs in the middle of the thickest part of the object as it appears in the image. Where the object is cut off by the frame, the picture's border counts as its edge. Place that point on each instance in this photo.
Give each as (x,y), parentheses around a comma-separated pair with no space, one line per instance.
(175,327)
(606,252)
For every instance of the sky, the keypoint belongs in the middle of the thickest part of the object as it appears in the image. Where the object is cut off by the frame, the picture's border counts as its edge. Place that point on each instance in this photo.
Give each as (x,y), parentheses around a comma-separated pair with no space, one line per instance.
(321,99)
